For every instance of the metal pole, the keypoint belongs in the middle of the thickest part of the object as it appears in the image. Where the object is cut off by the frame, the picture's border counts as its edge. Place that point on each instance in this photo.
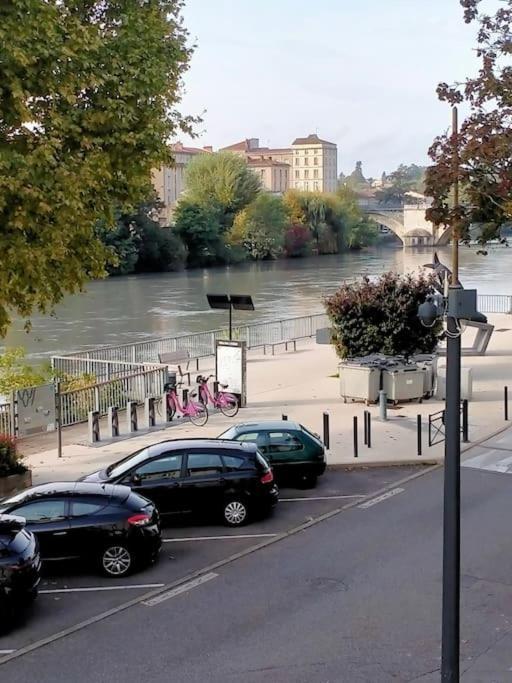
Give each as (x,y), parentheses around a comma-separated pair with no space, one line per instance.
(365,431)
(506,403)
(58,407)
(465,420)
(326,431)
(420,445)
(369,429)
(451,514)
(230,321)
(356,445)
(284,417)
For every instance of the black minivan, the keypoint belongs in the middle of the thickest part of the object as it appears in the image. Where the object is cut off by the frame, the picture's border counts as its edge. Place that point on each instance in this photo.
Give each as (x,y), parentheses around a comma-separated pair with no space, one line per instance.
(207,477)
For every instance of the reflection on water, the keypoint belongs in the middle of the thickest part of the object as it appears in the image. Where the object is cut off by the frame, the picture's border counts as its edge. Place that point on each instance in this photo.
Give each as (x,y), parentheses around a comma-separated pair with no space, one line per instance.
(135,307)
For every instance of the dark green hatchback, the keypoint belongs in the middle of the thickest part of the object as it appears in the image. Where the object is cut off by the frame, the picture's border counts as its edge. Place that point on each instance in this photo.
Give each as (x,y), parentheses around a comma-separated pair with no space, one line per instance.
(293,451)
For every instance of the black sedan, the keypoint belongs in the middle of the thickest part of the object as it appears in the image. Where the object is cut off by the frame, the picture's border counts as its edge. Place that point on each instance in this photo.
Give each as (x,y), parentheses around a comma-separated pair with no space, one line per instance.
(19,567)
(107,526)
(202,476)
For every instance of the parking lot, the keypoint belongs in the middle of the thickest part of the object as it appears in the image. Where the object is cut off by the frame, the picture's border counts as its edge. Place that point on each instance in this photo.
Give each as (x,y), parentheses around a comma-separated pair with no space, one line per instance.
(70,598)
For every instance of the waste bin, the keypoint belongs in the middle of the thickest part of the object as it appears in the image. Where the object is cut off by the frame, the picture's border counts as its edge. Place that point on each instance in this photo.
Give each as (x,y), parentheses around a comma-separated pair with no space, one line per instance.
(403,383)
(427,362)
(466,384)
(359,382)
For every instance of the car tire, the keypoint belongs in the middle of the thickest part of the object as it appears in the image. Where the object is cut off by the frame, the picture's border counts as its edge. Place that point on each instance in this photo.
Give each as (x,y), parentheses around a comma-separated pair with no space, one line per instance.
(309,481)
(235,512)
(115,560)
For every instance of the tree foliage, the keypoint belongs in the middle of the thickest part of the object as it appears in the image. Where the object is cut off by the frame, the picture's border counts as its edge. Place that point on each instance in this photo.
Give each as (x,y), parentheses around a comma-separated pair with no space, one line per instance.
(297,241)
(381,316)
(485,137)
(88,95)
(198,225)
(259,228)
(222,180)
(17,373)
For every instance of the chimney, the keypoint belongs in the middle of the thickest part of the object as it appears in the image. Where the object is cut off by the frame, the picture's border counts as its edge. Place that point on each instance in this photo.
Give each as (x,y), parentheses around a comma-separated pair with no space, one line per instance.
(208,148)
(253,143)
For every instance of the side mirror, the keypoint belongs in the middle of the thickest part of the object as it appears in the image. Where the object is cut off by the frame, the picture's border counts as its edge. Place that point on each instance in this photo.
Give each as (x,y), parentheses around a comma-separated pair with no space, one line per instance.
(135,479)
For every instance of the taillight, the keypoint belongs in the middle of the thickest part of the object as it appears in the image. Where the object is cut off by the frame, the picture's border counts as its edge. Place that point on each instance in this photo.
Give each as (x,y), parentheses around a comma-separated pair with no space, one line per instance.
(267,478)
(139,520)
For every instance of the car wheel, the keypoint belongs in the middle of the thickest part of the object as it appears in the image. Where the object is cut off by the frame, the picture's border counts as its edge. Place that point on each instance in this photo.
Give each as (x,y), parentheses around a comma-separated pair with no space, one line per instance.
(115,560)
(309,481)
(235,512)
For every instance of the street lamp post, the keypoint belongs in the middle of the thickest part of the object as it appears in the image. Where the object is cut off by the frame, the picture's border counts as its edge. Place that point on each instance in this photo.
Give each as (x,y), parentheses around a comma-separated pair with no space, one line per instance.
(451,507)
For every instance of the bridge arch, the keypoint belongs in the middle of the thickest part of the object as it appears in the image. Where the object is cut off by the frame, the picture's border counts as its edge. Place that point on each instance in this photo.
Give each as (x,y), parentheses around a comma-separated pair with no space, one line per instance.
(391,220)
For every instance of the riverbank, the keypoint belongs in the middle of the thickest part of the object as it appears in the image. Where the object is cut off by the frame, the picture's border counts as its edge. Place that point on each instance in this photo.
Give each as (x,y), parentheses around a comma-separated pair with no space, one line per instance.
(302,386)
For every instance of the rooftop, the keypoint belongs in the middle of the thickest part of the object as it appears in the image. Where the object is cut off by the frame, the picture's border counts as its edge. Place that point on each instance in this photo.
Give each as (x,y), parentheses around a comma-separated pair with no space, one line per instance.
(252,161)
(312,139)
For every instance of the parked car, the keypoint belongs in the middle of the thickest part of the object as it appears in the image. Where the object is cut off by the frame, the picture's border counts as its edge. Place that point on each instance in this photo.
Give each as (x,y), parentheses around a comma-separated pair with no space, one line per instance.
(107,526)
(293,452)
(202,476)
(20,566)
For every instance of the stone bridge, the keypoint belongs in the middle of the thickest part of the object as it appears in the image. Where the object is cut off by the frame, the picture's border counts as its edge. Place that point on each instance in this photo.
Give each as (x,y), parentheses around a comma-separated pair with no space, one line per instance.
(408,223)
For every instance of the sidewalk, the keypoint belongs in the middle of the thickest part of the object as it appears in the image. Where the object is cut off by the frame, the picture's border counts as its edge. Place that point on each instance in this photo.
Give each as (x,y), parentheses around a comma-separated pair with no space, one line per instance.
(302,386)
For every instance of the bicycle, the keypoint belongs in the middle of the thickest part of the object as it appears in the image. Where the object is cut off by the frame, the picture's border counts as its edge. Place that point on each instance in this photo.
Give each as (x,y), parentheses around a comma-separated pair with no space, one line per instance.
(227,403)
(195,411)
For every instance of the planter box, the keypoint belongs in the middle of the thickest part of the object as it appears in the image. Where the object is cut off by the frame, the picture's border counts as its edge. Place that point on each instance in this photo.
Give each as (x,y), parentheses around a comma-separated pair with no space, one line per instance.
(14,483)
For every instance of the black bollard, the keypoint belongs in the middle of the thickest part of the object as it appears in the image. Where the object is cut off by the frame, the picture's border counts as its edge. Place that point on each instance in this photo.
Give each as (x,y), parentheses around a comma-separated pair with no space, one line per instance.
(465,421)
(284,417)
(356,445)
(326,431)
(420,445)
(506,403)
(365,425)
(369,429)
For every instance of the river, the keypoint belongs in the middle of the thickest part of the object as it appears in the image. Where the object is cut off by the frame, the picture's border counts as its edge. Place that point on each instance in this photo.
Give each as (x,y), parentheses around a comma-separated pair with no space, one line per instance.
(124,309)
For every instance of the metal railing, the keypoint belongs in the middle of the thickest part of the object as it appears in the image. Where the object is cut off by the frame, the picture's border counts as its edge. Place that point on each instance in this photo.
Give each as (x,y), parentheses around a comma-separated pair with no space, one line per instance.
(198,345)
(76,404)
(5,419)
(495,303)
(101,370)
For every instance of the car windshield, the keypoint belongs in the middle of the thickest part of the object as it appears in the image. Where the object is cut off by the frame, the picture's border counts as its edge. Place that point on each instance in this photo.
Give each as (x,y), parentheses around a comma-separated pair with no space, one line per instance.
(122,466)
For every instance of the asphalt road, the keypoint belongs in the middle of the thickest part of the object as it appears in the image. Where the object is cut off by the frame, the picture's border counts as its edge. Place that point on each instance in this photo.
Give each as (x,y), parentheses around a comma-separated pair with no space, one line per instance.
(354,598)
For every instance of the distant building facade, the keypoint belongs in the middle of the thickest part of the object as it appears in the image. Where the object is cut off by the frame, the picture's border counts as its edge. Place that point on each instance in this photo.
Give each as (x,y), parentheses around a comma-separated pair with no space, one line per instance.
(169,181)
(274,175)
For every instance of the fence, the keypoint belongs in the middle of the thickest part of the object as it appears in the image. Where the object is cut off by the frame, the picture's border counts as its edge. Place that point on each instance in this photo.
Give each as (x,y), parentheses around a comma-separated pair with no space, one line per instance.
(102,370)
(495,303)
(76,404)
(5,419)
(198,345)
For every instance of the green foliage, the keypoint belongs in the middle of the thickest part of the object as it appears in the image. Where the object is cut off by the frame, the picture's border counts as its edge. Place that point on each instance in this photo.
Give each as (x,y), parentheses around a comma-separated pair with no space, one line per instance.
(11,461)
(297,241)
(16,373)
(222,180)
(259,228)
(122,242)
(381,316)
(88,95)
(362,233)
(198,226)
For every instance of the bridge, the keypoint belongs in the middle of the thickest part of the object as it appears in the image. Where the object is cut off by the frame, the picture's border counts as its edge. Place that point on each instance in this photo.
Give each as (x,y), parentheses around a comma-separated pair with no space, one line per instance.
(407,222)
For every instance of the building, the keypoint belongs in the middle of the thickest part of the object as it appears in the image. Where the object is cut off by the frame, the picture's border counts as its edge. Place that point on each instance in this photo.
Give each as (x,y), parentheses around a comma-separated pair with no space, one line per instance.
(251,148)
(274,175)
(169,181)
(315,165)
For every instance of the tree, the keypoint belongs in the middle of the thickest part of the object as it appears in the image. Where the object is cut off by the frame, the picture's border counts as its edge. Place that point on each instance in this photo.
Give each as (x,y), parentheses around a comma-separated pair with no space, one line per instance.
(381,316)
(123,243)
(88,95)
(16,373)
(199,227)
(485,137)
(222,180)
(297,241)
(259,228)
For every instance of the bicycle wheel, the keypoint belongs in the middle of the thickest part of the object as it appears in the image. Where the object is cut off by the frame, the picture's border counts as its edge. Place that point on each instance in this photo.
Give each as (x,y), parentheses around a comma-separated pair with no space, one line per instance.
(228,404)
(199,414)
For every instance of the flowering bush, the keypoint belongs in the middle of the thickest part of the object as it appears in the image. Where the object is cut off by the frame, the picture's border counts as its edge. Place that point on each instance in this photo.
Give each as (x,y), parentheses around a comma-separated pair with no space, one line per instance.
(381,316)
(10,459)
(297,241)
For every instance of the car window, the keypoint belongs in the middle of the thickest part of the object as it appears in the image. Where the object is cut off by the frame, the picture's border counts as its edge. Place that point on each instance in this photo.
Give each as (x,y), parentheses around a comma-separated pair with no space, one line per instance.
(80,508)
(253,437)
(200,464)
(284,442)
(119,468)
(166,467)
(42,510)
(233,462)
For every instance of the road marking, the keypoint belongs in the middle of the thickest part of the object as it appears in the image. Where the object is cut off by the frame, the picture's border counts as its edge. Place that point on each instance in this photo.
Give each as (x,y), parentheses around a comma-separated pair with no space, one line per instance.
(380,499)
(216,538)
(295,500)
(92,589)
(179,590)
(7,652)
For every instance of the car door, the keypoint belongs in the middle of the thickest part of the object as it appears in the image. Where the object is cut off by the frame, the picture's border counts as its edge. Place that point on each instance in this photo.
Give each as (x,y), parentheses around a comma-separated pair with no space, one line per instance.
(160,480)
(204,482)
(285,450)
(87,526)
(48,520)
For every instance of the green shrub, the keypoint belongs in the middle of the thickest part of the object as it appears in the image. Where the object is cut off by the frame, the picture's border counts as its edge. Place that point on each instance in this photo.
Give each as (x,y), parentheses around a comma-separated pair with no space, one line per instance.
(381,316)
(11,462)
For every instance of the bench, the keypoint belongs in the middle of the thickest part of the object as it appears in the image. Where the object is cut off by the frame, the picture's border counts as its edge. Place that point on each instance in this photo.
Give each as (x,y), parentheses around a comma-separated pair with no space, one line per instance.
(176,359)
(273,346)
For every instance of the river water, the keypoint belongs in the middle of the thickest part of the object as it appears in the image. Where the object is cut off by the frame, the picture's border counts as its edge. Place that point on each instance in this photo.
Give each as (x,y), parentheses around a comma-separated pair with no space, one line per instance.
(124,309)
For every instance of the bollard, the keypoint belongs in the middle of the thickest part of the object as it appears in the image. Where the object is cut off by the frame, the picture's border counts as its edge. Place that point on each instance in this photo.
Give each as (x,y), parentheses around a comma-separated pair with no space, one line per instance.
(383,405)
(369,429)
(94,426)
(284,417)
(58,418)
(113,421)
(465,421)
(506,403)
(131,416)
(326,431)
(420,445)
(184,396)
(215,388)
(149,412)
(165,407)
(365,431)
(356,445)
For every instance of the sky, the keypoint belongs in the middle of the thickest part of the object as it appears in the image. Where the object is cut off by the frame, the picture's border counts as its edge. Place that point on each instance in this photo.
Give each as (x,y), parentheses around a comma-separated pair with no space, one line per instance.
(360,73)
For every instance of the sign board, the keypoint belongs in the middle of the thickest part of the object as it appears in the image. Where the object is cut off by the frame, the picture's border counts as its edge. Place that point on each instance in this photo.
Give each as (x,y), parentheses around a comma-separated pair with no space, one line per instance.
(231,367)
(35,409)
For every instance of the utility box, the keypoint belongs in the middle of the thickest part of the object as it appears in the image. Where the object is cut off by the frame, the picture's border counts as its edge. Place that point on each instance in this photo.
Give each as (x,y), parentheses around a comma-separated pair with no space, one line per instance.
(466,384)
(403,383)
(359,382)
